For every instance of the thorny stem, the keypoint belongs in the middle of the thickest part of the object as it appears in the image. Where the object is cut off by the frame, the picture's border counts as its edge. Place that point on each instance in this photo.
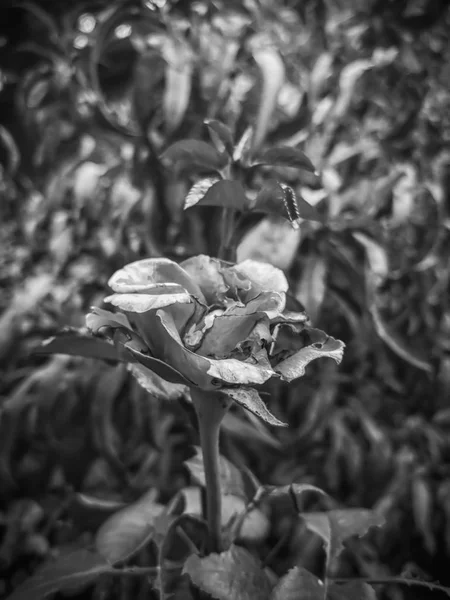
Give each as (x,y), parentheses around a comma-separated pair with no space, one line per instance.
(211,408)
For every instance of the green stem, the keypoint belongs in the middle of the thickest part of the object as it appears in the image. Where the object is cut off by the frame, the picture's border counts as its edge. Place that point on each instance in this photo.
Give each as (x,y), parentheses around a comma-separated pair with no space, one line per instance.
(211,408)
(227,227)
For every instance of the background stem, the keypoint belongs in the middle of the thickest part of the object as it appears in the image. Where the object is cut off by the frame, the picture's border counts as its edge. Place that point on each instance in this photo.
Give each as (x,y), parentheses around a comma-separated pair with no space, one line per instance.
(211,407)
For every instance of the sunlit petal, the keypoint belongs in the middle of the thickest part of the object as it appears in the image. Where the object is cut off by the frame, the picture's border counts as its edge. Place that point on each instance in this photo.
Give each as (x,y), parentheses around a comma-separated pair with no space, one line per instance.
(142,303)
(263,276)
(142,275)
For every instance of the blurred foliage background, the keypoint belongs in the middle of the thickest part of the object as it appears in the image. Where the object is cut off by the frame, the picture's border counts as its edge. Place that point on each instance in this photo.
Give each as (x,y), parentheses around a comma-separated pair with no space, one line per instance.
(91,93)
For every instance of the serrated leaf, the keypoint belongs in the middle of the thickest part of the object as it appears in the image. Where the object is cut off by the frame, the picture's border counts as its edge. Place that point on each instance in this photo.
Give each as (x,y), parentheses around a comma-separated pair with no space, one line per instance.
(285,156)
(231,481)
(77,344)
(128,530)
(231,575)
(221,136)
(225,193)
(198,191)
(335,526)
(191,154)
(249,399)
(69,573)
(298,583)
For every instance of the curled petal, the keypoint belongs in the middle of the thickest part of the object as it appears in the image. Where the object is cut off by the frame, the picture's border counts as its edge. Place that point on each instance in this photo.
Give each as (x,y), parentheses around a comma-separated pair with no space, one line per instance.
(162,369)
(112,325)
(207,273)
(99,318)
(249,399)
(130,347)
(294,366)
(155,385)
(142,275)
(235,372)
(269,303)
(142,303)
(201,370)
(264,277)
(149,325)
(226,333)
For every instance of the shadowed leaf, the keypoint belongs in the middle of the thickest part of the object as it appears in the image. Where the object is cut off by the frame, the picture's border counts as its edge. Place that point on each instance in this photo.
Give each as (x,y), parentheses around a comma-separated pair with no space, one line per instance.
(273,75)
(220,135)
(193,153)
(335,526)
(77,344)
(285,157)
(178,82)
(89,513)
(231,480)
(69,573)
(128,530)
(355,590)
(397,343)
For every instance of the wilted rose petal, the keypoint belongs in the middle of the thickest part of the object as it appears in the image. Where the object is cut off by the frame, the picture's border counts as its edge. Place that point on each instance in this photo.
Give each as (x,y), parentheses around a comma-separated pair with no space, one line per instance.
(157,386)
(142,275)
(270,303)
(264,277)
(99,318)
(293,367)
(207,273)
(141,303)
(249,399)
(226,333)
(202,371)
(235,372)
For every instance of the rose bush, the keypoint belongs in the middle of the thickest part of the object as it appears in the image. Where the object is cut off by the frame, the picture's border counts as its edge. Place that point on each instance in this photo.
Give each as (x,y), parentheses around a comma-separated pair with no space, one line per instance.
(209,324)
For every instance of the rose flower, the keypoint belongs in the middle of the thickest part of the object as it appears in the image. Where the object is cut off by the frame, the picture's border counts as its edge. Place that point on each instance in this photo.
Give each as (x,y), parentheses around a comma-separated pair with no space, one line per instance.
(211,325)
